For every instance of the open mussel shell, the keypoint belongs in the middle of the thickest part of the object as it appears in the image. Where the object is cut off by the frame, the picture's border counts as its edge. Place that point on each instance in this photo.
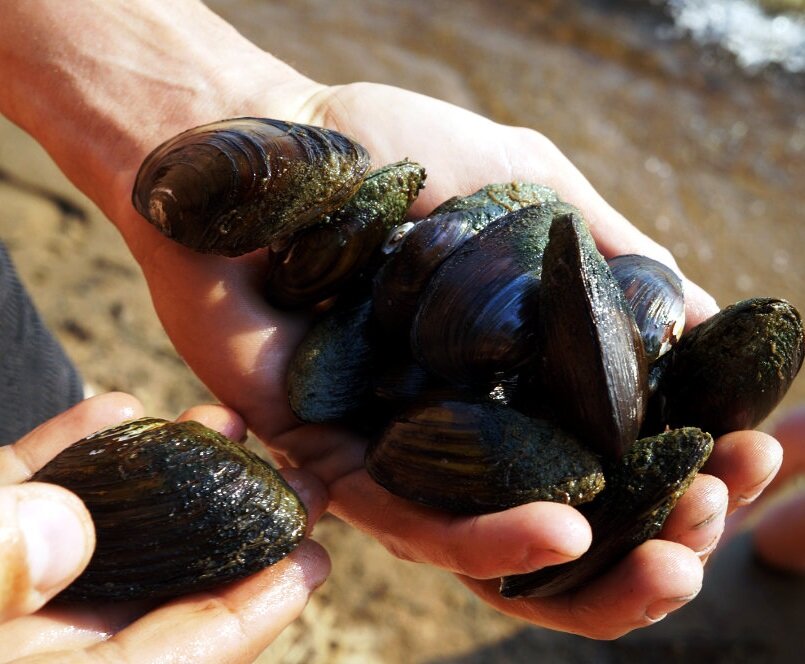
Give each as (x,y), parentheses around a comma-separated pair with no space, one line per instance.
(234,186)
(729,372)
(322,259)
(473,458)
(593,366)
(177,508)
(641,490)
(655,294)
(476,320)
(330,373)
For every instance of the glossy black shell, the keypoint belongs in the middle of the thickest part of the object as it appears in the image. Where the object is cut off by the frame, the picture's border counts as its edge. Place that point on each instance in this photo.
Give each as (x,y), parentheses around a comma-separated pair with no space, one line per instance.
(177,508)
(234,186)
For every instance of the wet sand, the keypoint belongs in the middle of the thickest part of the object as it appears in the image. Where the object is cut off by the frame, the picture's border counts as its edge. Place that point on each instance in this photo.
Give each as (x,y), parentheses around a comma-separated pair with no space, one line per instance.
(707,160)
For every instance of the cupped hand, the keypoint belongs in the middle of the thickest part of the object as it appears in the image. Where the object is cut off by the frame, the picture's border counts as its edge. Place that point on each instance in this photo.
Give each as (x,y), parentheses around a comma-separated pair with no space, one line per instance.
(48,539)
(213,303)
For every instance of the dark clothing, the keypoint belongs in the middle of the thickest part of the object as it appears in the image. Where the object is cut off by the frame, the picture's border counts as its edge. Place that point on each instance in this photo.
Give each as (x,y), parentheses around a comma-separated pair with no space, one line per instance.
(37,380)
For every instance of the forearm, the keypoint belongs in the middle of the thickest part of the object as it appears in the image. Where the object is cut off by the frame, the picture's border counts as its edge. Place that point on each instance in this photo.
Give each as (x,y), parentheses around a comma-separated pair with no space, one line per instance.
(99,83)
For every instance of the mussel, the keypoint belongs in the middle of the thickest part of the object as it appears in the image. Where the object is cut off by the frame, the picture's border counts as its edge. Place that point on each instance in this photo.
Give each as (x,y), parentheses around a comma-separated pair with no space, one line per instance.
(322,259)
(472,458)
(476,320)
(592,360)
(177,508)
(641,490)
(656,296)
(729,372)
(330,375)
(234,186)
(402,278)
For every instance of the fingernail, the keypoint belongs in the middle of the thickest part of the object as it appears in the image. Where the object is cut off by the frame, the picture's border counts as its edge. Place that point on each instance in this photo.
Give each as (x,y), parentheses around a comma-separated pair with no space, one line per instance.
(55,541)
(707,550)
(657,611)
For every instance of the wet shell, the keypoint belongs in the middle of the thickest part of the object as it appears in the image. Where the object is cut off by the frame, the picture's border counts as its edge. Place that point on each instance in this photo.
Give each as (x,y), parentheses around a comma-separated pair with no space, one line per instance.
(593,363)
(655,294)
(640,492)
(177,508)
(476,321)
(330,374)
(320,260)
(729,373)
(476,458)
(234,186)
(401,279)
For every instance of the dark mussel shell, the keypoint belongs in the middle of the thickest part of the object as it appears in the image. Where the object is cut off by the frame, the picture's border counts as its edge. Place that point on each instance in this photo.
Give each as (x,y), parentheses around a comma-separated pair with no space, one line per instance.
(729,373)
(640,492)
(234,186)
(593,363)
(474,458)
(330,373)
(476,321)
(177,508)
(655,294)
(401,279)
(321,260)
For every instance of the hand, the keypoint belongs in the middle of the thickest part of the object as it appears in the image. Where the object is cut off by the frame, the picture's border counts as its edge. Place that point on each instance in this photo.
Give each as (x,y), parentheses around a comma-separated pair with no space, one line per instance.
(48,539)
(778,519)
(240,347)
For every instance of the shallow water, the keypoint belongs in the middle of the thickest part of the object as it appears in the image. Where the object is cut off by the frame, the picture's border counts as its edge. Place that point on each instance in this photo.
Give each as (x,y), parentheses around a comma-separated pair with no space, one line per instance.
(702,155)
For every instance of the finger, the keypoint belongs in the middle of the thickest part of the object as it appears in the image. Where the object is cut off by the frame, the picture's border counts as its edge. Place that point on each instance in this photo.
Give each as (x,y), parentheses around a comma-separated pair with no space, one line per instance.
(65,627)
(779,536)
(518,540)
(697,521)
(47,540)
(20,460)
(311,492)
(220,418)
(746,461)
(232,624)
(790,432)
(655,579)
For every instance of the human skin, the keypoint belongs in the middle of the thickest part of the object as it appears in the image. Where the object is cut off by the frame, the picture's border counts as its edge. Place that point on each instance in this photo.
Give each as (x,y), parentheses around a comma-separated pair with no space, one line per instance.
(100,84)
(47,538)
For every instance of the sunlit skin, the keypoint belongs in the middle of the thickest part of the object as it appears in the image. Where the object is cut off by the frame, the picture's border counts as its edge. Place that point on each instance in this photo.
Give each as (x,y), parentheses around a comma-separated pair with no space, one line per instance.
(158,68)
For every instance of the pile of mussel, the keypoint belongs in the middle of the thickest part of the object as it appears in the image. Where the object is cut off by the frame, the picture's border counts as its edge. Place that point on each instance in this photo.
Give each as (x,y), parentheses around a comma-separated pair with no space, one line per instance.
(488,350)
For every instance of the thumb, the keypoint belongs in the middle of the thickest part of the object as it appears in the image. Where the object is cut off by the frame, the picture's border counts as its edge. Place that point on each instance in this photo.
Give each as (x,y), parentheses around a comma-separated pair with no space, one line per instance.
(46,540)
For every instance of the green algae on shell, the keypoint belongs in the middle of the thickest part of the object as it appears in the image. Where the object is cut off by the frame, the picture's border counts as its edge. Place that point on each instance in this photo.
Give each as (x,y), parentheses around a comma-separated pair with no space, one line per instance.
(330,374)
(495,200)
(322,259)
(473,458)
(729,372)
(641,490)
(233,186)
(177,508)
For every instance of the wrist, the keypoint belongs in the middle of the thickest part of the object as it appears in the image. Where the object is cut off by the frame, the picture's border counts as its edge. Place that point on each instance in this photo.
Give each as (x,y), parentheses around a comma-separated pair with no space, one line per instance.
(100,84)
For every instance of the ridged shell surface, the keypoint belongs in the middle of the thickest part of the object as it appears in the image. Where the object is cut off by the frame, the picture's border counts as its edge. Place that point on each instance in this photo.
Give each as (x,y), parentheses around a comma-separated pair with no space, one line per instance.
(177,508)
(233,186)
(482,457)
